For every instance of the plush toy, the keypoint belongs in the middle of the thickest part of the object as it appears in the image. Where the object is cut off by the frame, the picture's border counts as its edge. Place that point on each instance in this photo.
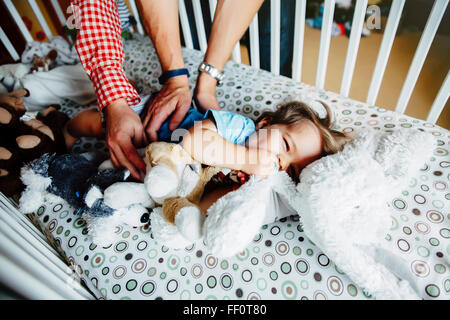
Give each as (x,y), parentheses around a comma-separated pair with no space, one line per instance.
(105,198)
(342,200)
(23,141)
(10,75)
(45,63)
(176,182)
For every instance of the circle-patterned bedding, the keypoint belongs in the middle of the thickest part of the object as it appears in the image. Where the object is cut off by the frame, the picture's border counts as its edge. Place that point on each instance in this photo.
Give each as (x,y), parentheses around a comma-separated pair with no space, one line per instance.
(280,263)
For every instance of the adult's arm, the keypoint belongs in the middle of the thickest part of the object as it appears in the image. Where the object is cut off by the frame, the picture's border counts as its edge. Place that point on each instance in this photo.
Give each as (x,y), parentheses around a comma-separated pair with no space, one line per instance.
(101,53)
(161,21)
(231,19)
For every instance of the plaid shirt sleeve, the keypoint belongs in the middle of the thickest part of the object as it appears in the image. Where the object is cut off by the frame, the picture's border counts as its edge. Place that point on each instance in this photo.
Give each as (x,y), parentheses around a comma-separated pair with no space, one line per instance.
(100,48)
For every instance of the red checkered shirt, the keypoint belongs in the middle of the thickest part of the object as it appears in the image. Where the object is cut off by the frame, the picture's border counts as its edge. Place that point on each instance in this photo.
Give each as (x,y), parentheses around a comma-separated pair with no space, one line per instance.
(100,48)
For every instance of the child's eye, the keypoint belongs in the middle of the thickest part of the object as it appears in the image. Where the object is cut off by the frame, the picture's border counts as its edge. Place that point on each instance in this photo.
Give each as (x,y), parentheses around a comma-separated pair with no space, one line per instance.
(286,145)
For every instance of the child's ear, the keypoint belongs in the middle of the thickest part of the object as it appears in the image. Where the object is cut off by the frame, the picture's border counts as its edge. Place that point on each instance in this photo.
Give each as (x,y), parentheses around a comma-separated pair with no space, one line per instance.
(263,123)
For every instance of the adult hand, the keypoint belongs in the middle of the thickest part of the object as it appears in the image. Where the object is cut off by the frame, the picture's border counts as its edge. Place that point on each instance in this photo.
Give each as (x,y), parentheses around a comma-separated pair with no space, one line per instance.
(205,93)
(174,98)
(124,132)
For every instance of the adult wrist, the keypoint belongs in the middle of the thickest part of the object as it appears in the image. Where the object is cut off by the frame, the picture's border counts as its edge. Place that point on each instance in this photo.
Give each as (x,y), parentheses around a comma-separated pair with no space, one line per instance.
(212,71)
(174,73)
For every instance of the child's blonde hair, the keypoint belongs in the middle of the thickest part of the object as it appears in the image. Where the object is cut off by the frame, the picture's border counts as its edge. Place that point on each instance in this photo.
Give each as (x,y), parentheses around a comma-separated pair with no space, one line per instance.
(292,112)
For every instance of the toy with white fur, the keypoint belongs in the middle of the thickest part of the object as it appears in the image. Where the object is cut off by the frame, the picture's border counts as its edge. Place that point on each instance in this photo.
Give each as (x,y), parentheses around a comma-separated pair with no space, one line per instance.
(342,200)
(176,182)
(105,197)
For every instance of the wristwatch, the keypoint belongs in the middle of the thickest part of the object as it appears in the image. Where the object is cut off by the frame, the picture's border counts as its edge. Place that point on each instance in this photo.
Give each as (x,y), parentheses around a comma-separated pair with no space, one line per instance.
(212,71)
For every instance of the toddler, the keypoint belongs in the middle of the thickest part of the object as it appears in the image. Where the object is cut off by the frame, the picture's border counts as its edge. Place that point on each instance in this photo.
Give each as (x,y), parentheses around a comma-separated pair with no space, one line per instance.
(287,139)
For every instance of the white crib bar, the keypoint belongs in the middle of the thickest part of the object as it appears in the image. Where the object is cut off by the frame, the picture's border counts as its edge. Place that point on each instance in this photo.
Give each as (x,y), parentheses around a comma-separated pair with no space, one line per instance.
(200,25)
(16,278)
(212,8)
(299,37)
(385,50)
(237,53)
(41,19)
(13,212)
(325,38)
(353,46)
(421,53)
(24,262)
(8,45)
(185,25)
(440,101)
(35,250)
(16,227)
(22,27)
(275,16)
(59,12)
(254,42)
(135,12)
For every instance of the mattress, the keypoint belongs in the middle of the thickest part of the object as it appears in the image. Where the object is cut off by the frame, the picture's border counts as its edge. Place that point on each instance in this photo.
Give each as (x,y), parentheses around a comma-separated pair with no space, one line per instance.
(280,262)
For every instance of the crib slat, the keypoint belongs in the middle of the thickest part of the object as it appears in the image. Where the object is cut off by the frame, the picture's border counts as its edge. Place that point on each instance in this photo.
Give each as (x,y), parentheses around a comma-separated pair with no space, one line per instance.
(421,53)
(23,261)
(22,27)
(185,25)
(200,25)
(8,45)
(212,8)
(275,16)
(136,16)
(37,251)
(325,39)
(353,46)
(254,42)
(237,52)
(24,283)
(385,50)
(59,12)
(299,37)
(40,18)
(440,101)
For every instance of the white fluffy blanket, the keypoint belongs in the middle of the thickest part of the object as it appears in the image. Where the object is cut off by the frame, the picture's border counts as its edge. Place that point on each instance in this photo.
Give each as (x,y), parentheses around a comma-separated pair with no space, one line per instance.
(342,201)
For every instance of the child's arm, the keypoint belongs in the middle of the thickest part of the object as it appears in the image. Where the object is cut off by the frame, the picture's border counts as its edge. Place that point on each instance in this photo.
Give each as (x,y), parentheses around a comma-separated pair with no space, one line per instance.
(205,145)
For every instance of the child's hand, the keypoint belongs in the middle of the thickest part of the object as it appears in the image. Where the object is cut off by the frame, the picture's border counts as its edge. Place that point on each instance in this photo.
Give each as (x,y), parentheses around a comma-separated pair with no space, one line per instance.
(266,163)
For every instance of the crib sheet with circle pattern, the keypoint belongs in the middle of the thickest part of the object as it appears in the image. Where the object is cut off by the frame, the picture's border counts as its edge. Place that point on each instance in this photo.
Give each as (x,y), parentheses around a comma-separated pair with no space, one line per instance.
(280,262)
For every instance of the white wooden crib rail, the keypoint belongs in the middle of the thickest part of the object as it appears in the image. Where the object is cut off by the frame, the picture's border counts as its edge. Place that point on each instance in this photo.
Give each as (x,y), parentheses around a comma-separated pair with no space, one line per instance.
(361,9)
(29,266)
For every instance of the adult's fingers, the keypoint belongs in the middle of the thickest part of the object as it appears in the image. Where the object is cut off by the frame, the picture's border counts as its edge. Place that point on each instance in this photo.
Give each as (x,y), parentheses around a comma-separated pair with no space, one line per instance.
(132,155)
(124,162)
(156,122)
(114,158)
(178,116)
(138,137)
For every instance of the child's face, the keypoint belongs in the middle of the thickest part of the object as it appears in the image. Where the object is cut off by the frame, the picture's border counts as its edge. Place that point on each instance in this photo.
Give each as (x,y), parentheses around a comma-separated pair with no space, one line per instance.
(296,145)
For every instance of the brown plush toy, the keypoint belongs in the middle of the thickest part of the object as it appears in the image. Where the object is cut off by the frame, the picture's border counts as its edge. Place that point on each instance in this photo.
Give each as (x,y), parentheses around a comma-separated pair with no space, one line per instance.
(44,63)
(23,141)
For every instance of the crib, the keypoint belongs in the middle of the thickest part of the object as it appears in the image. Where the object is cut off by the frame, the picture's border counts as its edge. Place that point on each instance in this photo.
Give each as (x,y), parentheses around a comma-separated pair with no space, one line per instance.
(45,262)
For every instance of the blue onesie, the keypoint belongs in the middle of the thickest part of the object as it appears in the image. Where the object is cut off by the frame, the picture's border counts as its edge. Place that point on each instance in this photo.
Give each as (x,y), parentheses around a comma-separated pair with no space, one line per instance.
(233,127)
